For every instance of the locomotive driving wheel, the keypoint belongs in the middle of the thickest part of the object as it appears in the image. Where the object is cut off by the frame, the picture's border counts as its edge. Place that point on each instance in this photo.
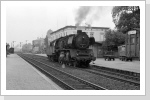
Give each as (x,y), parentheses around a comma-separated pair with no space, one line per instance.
(69,64)
(75,64)
(85,64)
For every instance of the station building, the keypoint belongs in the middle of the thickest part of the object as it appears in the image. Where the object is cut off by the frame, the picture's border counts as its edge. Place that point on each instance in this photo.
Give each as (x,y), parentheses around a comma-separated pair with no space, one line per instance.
(97,32)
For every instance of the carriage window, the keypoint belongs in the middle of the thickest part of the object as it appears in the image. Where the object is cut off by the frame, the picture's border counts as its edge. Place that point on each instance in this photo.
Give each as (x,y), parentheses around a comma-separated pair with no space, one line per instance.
(137,41)
(132,40)
(128,40)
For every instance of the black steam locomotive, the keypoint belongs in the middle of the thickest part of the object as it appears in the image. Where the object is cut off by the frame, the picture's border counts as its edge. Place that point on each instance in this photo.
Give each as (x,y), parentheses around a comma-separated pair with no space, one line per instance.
(72,49)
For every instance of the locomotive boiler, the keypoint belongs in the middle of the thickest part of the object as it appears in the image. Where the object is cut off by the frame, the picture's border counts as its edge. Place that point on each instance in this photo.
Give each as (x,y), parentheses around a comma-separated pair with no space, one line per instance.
(72,49)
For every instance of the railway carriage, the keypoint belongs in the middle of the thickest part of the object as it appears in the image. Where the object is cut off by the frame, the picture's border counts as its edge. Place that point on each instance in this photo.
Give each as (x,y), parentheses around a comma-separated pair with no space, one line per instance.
(7,48)
(131,49)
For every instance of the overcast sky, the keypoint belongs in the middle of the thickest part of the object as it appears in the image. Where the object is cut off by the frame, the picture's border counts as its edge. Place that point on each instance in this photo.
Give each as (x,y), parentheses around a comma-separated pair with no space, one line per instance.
(27,21)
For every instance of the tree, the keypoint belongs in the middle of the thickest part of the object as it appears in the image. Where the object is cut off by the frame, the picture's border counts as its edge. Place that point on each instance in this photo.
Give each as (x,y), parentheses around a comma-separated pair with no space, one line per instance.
(126,17)
(113,39)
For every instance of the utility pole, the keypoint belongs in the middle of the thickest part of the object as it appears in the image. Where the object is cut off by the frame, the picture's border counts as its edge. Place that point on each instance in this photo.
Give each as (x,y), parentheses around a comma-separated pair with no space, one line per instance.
(26,41)
(66,20)
(57,23)
(21,46)
(13,43)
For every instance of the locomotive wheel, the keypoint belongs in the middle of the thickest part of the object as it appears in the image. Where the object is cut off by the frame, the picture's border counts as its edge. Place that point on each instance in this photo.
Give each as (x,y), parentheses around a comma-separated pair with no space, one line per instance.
(87,65)
(75,64)
(59,61)
(70,64)
(52,58)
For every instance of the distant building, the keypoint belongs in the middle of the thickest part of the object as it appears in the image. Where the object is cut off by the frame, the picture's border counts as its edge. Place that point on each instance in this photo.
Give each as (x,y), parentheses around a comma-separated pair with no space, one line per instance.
(27,48)
(97,32)
(38,45)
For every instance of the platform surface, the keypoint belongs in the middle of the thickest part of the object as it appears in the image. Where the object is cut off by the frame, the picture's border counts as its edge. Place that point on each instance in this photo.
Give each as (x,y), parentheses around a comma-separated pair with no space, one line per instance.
(133,66)
(20,75)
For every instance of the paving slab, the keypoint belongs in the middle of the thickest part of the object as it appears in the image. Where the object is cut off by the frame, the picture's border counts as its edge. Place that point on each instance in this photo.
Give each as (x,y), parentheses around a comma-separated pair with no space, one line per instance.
(20,75)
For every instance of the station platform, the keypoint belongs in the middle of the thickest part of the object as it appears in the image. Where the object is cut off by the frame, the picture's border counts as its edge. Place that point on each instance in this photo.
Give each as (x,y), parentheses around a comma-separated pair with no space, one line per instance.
(20,75)
(133,66)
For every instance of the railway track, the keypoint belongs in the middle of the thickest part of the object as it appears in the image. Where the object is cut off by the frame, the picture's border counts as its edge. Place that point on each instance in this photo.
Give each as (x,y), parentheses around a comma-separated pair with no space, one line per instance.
(63,79)
(115,76)
(127,78)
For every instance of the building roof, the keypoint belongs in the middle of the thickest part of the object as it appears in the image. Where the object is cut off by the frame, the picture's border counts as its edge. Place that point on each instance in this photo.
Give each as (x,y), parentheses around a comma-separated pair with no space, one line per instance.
(79,27)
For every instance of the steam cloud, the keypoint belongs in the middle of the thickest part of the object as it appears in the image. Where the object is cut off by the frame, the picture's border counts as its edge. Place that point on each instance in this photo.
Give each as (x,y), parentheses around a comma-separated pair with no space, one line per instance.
(90,14)
(81,14)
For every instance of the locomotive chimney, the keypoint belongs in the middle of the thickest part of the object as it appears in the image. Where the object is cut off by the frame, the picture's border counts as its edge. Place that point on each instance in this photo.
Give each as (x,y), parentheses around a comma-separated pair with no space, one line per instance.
(79,31)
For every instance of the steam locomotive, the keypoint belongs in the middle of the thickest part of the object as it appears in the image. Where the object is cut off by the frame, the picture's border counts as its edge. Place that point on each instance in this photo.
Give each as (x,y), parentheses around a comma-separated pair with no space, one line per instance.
(72,50)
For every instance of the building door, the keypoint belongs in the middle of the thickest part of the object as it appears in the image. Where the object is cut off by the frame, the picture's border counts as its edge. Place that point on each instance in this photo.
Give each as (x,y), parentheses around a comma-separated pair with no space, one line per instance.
(100,52)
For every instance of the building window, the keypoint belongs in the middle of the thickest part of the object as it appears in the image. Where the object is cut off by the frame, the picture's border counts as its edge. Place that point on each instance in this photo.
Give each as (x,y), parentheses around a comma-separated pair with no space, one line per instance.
(64,34)
(74,32)
(102,37)
(137,40)
(129,40)
(91,34)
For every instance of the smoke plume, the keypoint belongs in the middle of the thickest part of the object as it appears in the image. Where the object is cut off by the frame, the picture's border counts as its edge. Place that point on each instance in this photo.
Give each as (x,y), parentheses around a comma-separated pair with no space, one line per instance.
(89,14)
(82,12)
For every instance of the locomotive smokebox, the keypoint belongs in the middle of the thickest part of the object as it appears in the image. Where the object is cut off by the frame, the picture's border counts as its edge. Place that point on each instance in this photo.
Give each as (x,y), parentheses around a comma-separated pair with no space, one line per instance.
(81,40)
(79,31)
